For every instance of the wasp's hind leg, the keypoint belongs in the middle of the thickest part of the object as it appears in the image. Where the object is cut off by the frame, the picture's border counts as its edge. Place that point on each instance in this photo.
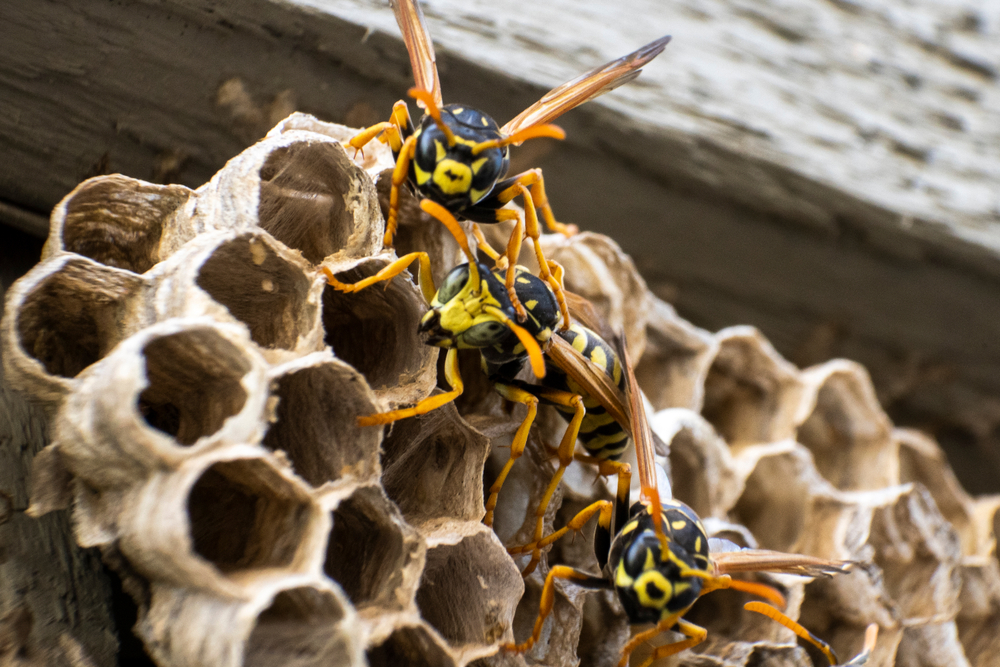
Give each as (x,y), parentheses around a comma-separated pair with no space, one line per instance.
(548,598)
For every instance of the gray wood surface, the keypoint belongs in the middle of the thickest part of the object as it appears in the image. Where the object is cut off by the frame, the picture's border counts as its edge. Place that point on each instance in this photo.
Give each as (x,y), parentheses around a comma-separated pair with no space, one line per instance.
(825,169)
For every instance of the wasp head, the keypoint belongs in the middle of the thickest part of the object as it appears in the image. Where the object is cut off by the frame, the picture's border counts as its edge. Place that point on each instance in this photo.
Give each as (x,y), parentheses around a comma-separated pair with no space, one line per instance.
(459,315)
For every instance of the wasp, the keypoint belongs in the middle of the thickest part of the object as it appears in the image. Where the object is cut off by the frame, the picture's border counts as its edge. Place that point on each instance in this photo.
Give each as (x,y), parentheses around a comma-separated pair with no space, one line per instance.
(656,554)
(458,157)
(871,636)
(578,373)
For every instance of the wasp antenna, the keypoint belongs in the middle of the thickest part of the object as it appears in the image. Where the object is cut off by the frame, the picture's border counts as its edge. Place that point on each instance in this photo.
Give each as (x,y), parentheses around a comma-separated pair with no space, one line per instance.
(535,132)
(531,345)
(434,111)
(778,617)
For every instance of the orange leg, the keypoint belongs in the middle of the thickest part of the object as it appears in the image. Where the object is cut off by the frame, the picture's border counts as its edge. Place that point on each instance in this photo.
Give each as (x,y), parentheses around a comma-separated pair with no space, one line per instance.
(575,524)
(516,447)
(566,448)
(399,176)
(424,276)
(484,245)
(428,404)
(532,230)
(548,599)
(400,118)
(533,178)
(695,635)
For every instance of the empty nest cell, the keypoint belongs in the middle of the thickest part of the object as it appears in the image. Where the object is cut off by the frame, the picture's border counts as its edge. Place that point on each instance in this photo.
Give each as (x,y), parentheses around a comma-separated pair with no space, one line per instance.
(372,553)
(71,317)
(375,330)
(846,430)
(423,455)
(470,587)
(261,289)
(318,402)
(299,628)
(309,192)
(195,383)
(243,515)
(776,495)
(748,388)
(117,220)
(415,646)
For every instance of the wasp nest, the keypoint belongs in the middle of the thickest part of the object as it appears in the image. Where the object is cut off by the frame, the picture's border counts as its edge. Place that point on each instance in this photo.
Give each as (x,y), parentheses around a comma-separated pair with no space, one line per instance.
(204,384)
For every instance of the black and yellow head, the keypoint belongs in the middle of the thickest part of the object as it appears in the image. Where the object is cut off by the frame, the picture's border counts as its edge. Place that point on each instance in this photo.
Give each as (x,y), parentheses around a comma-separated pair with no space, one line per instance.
(650,583)
(452,174)
(463,312)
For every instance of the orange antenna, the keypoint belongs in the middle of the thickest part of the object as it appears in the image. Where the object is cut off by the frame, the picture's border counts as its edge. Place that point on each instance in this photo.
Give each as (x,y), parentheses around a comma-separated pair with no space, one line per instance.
(434,111)
(551,131)
(530,344)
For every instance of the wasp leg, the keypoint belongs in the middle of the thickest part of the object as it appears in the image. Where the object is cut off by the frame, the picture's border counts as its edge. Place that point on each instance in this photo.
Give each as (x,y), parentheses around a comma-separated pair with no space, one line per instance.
(507,190)
(575,524)
(519,395)
(430,403)
(566,447)
(695,635)
(548,598)
(395,128)
(485,246)
(399,176)
(778,617)
(424,276)
(533,231)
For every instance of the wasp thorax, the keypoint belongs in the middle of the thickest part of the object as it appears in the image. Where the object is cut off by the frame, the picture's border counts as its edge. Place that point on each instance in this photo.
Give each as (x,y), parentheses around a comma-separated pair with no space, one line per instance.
(451,170)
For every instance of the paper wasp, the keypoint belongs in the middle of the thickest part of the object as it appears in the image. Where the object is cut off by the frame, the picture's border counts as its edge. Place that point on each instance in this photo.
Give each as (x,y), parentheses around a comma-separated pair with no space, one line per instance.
(579,372)
(457,156)
(657,556)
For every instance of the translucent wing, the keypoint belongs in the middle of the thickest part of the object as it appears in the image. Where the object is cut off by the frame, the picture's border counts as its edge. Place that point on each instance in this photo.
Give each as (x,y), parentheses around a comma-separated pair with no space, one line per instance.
(591,378)
(596,82)
(762,560)
(419,45)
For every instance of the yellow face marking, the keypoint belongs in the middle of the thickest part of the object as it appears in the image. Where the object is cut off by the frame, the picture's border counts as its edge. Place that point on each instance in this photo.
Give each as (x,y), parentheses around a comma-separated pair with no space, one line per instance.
(629,527)
(478,164)
(452,177)
(622,580)
(678,525)
(476,195)
(598,356)
(655,580)
(441,152)
(422,176)
(650,563)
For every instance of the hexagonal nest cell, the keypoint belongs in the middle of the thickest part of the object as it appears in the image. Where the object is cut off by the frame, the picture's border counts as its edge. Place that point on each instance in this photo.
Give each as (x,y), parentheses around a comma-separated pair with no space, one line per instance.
(257,524)
(307,190)
(261,289)
(118,221)
(195,384)
(372,553)
(375,330)
(244,516)
(72,317)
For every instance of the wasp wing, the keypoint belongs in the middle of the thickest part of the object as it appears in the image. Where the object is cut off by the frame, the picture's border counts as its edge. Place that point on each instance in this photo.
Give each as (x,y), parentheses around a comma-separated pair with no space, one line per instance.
(410,18)
(763,560)
(596,82)
(591,378)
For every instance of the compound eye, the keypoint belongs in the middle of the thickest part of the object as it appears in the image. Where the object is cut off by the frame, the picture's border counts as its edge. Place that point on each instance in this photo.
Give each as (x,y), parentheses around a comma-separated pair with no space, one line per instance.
(453,283)
(485,334)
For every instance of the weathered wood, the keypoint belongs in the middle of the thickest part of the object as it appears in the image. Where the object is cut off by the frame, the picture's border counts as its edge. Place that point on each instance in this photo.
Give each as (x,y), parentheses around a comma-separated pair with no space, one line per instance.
(825,170)
(54,596)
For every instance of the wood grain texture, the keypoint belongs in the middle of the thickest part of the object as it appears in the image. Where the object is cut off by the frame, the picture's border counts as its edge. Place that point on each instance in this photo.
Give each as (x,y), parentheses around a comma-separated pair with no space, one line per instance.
(824,169)
(54,596)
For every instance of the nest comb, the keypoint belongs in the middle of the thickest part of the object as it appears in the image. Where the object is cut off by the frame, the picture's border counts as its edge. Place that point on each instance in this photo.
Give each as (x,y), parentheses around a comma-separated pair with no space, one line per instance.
(203,382)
